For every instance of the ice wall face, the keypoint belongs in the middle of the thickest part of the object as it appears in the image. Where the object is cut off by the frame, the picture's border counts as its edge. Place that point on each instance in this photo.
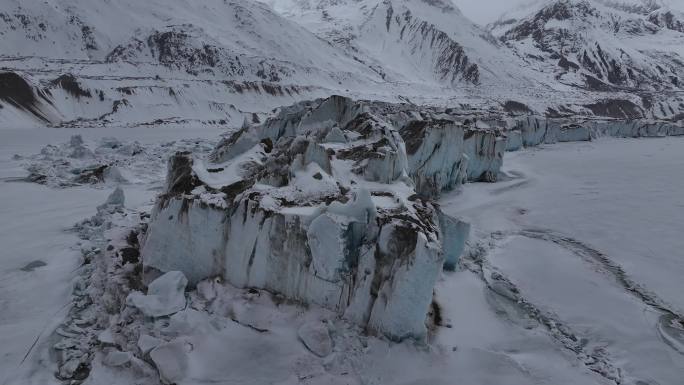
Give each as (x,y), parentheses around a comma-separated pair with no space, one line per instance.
(436,156)
(188,238)
(443,154)
(327,202)
(331,202)
(455,233)
(484,150)
(530,131)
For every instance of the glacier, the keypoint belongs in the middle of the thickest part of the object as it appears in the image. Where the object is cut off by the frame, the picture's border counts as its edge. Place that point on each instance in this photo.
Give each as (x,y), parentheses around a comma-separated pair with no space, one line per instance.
(332,202)
(340,223)
(531,131)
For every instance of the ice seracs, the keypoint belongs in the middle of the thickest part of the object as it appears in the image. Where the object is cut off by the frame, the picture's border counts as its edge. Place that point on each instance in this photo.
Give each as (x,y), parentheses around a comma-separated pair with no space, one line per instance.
(341,224)
(331,202)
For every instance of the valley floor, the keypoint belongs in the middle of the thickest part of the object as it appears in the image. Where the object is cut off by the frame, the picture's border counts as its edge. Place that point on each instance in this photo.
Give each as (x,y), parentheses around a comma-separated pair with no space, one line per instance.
(573,276)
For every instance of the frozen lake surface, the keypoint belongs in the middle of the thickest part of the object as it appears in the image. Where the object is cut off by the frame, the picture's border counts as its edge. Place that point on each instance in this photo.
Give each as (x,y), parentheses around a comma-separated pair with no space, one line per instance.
(590,234)
(624,197)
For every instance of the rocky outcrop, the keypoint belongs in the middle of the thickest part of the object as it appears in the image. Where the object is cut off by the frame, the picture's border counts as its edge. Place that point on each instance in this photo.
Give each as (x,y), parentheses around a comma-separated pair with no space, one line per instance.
(19,93)
(450,61)
(328,203)
(667,18)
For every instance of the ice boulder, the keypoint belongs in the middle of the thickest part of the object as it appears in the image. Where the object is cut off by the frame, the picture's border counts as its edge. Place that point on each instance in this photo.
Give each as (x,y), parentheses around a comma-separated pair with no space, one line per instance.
(171,359)
(115,200)
(117,358)
(146,343)
(165,296)
(316,337)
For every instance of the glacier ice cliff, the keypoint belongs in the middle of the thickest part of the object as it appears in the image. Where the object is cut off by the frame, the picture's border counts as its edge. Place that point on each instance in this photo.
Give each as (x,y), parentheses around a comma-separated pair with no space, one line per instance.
(530,131)
(332,202)
(327,202)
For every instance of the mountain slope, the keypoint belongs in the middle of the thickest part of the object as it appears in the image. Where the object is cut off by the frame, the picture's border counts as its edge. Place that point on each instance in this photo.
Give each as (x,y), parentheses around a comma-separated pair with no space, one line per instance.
(217,62)
(554,57)
(410,40)
(172,57)
(601,40)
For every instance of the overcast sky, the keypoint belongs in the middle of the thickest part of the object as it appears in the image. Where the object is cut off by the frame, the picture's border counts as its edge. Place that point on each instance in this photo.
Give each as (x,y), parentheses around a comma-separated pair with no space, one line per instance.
(485,11)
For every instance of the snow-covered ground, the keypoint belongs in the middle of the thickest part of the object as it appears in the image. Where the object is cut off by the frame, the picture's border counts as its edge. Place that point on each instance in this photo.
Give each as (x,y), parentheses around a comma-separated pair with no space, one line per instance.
(590,236)
(38,252)
(583,237)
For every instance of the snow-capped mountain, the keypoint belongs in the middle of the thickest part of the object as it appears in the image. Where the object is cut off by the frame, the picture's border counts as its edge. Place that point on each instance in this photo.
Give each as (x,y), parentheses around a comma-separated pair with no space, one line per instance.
(607,45)
(558,57)
(415,41)
(169,60)
(224,62)
(604,46)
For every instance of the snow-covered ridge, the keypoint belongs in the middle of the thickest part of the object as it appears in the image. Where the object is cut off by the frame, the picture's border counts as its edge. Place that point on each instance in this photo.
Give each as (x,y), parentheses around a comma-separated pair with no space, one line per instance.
(429,42)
